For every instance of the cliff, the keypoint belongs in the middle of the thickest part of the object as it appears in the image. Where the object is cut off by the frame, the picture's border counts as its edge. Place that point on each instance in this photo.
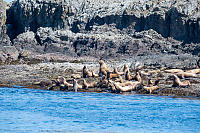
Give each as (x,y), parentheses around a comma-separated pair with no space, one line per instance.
(105,28)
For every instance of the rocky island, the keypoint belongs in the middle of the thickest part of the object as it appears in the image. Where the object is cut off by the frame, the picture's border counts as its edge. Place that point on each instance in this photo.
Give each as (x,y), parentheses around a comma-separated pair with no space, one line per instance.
(46,40)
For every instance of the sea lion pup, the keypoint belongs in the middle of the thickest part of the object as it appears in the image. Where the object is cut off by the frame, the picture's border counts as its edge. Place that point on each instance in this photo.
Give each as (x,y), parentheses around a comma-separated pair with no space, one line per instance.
(115,71)
(195,71)
(174,71)
(86,73)
(76,86)
(126,88)
(128,76)
(89,85)
(103,68)
(186,74)
(177,82)
(151,88)
(94,75)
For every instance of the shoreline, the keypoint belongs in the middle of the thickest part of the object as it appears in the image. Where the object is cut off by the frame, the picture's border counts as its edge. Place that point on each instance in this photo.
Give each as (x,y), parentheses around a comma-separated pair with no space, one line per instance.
(27,75)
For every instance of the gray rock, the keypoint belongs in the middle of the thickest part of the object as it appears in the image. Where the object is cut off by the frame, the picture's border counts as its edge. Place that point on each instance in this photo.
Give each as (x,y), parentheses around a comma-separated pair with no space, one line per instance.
(4,39)
(10,52)
(105,29)
(27,42)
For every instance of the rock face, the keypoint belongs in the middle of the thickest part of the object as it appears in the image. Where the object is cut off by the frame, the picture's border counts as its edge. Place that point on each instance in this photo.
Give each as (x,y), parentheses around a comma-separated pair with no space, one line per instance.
(106,28)
(5,52)
(4,39)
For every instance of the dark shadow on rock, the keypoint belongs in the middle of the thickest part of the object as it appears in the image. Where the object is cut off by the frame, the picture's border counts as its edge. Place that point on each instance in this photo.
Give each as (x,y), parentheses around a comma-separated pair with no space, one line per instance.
(171,25)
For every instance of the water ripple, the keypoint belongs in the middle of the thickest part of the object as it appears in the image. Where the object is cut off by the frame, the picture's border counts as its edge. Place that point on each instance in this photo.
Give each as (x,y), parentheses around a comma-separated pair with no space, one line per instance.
(31,110)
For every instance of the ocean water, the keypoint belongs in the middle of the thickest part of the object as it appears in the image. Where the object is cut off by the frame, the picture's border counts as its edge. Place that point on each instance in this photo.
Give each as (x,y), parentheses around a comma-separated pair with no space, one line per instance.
(31,110)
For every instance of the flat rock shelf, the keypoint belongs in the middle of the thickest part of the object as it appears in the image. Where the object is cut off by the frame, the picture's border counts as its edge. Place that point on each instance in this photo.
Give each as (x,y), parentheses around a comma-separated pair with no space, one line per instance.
(38,76)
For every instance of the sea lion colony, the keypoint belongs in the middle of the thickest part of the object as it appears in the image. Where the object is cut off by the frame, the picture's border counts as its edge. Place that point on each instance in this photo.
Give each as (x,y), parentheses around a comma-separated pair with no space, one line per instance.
(138,80)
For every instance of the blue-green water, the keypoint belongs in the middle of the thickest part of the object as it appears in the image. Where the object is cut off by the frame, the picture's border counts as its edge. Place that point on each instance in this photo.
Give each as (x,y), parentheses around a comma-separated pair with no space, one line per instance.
(30,110)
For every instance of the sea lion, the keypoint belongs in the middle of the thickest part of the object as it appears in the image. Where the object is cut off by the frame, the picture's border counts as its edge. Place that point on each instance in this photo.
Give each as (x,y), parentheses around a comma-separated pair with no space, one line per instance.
(150,82)
(76,86)
(128,76)
(44,83)
(151,88)
(145,73)
(152,72)
(103,68)
(112,75)
(67,84)
(187,74)
(174,71)
(94,74)
(128,83)
(139,67)
(89,85)
(86,72)
(177,82)
(76,76)
(125,68)
(138,77)
(115,71)
(126,88)
(195,71)
(120,79)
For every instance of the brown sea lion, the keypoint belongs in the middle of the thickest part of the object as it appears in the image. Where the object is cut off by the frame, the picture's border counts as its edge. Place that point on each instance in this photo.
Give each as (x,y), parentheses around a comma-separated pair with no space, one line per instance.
(145,73)
(151,88)
(44,83)
(94,75)
(153,71)
(115,71)
(125,68)
(177,82)
(151,83)
(126,88)
(112,75)
(120,79)
(138,77)
(195,71)
(174,71)
(86,72)
(187,74)
(89,85)
(103,68)
(67,84)
(128,83)
(138,68)
(128,76)
(76,76)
